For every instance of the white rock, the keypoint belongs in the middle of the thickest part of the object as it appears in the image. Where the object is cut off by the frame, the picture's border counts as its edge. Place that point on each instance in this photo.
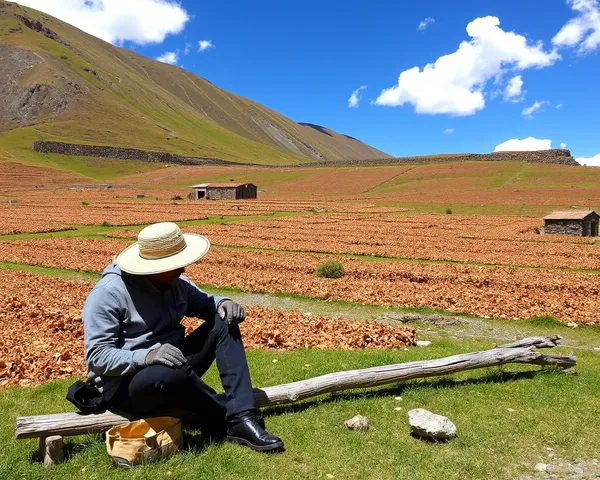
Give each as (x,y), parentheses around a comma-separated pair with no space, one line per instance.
(423,343)
(572,325)
(541,467)
(423,423)
(358,422)
(397,398)
(597,349)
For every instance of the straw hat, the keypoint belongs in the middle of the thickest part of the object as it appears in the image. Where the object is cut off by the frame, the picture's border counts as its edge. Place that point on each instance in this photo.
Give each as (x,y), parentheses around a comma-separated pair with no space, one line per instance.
(162,247)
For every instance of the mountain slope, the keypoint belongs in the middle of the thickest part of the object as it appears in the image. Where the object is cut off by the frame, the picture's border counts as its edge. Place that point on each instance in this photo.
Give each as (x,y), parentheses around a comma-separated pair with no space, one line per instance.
(59,83)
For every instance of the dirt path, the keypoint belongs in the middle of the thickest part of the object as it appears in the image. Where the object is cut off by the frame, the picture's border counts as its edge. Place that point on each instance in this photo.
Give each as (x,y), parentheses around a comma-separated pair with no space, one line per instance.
(431,326)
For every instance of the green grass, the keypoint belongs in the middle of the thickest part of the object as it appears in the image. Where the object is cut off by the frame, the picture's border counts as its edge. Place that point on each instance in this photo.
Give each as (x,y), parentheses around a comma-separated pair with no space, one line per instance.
(550,409)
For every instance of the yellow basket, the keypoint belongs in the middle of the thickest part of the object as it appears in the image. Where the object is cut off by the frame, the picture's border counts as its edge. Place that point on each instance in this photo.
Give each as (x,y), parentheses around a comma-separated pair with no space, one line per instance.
(144,440)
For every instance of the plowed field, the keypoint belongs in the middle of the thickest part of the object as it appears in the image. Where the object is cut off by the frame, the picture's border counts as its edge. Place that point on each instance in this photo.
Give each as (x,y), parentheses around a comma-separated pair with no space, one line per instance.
(482,290)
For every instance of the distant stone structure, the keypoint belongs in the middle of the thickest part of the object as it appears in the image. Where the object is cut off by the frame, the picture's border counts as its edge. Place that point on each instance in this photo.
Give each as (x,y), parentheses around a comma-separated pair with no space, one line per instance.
(124,153)
(583,223)
(223,191)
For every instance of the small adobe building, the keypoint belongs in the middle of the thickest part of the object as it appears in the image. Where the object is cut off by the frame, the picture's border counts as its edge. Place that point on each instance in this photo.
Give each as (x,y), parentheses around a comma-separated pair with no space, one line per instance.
(583,223)
(223,191)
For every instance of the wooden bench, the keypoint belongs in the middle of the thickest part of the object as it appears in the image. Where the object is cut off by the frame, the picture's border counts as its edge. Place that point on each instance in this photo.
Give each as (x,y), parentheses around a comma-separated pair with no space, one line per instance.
(51,429)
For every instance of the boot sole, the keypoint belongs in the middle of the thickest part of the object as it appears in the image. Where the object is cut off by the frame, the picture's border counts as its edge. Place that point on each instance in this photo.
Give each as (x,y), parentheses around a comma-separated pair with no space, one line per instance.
(258,448)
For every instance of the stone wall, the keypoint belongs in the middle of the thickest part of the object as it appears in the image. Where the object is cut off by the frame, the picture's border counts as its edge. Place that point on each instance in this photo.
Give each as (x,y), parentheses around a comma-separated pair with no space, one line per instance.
(563,227)
(221,193)
(124,153)
(554,156)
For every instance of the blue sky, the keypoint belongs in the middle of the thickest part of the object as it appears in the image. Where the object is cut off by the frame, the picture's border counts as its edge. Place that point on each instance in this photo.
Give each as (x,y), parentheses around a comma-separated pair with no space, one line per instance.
(305,59)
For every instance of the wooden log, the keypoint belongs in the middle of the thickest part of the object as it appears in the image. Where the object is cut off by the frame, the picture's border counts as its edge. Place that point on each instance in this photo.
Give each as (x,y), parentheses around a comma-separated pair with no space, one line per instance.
(52,450)
(522,351)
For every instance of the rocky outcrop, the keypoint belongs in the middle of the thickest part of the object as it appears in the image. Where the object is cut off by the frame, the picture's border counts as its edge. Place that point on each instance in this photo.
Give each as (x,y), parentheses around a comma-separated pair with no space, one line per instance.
(39,27)
(23,105)
(124,153)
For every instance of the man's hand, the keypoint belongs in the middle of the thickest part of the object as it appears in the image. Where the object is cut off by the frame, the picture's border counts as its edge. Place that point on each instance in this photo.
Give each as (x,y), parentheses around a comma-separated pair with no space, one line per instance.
(232,312)
(166,355)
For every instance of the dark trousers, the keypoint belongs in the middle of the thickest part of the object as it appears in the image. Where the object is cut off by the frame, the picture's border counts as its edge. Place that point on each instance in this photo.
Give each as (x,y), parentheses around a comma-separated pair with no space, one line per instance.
(180,390)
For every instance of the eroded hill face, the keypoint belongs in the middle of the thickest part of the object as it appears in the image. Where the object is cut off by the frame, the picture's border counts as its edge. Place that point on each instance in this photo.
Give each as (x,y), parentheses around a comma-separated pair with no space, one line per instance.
(63,84)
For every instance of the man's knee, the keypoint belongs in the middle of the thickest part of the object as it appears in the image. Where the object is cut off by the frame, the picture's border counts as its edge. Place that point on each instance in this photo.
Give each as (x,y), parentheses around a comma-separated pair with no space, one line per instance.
(159,379)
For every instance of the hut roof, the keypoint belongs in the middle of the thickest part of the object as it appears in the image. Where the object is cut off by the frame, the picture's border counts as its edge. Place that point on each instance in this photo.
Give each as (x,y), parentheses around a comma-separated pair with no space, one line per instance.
(225,185)
(569,215)
(220,185)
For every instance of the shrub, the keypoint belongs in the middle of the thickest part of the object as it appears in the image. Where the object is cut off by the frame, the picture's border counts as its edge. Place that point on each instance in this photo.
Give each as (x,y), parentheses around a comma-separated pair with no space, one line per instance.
(330,270)
(105,224)
(449,211)
(537,231)
(85,203)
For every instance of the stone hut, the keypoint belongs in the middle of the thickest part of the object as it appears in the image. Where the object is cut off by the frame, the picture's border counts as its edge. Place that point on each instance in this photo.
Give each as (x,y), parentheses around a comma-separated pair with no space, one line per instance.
(583,223)
(223,191)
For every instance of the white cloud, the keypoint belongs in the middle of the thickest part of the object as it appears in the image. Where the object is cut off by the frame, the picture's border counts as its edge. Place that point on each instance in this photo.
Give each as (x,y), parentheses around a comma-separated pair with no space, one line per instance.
(563,145)
(455,83)
(187,48)
(425,23)
(529,111)
(583,30)
(355,98)
(449,130)
(205,45)
(560,105)
(514,89)
(527,144)
(169,57)
(590,162)
(117,21)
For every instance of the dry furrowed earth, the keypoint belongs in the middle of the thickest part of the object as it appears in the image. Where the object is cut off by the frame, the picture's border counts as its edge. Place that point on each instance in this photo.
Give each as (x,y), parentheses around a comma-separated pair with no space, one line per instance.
(486,265)
(508,292)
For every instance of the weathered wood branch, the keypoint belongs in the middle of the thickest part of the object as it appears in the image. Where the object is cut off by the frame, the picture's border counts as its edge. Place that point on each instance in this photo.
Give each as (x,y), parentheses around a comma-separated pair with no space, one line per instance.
(522,351)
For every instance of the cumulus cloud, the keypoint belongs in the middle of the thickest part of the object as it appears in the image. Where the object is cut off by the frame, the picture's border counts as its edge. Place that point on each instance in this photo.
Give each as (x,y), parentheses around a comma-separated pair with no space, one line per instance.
(205,45)
(529,111)
(449,130)
(169,57)
(590,162)
(454,84)
(423,24)
(583,30)
(527,144)
(116,21)
(187,48)
(563,145)
(356,97)
(514,89)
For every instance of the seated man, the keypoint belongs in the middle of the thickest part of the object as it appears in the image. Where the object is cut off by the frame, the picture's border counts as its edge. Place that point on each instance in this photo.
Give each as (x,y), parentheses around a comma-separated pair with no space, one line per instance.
(135,349)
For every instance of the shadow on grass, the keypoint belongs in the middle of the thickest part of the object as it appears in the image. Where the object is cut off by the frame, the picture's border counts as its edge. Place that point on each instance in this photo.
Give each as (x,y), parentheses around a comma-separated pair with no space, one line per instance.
(443,383)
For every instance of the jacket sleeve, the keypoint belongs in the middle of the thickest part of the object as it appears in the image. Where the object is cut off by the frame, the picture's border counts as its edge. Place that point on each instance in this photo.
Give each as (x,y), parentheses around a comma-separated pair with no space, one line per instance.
(201,304)
(102,317)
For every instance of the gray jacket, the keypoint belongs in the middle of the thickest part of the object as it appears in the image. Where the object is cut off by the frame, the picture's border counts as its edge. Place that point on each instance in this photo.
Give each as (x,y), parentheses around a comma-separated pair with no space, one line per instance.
(125,316)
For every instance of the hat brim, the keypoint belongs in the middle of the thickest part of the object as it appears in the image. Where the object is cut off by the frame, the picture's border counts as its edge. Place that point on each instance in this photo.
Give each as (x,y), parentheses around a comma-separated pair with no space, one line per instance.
(130,261)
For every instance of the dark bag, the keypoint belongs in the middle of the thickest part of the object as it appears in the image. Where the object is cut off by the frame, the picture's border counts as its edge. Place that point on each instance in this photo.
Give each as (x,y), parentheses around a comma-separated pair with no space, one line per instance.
(86,397)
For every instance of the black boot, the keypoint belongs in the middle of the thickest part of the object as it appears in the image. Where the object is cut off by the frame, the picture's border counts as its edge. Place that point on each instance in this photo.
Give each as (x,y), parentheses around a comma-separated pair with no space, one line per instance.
(247,430)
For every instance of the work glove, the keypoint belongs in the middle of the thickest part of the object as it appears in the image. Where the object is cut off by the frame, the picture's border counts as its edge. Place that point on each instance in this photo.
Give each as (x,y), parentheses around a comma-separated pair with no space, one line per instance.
(166,355)
(232,312)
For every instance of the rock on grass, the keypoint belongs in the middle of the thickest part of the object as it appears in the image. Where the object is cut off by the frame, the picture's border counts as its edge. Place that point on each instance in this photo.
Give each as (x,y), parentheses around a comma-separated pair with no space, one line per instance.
(425,424)
(358,422)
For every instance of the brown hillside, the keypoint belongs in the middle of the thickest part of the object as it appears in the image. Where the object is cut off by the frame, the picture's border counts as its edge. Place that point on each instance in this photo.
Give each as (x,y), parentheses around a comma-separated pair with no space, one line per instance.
(59,83)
